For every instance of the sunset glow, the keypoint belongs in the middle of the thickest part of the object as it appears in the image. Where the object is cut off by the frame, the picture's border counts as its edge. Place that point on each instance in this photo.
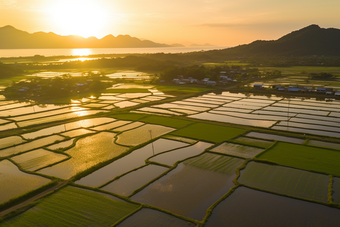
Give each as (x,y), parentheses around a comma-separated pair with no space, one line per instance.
(76,17)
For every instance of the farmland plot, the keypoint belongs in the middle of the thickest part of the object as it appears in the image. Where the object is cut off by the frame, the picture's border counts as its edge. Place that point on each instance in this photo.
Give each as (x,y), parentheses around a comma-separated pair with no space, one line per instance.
(304,157)
(233,120)
(253,142)
(30,145)
(87,152)
(74,207)
(207,132)
(324,144)
(142,134)
(128,183)
(148,217)
(61,145)
(336,188)
(275,137)
(284,180)
(15,183)
(37,159)
(237,150)
(10,141)
(192,186)
(170,158)
(129,162)
(246,207)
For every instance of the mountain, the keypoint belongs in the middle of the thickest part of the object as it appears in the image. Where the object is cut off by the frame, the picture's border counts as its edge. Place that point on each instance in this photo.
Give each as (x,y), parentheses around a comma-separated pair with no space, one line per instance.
(12,38)
(201,45)
(311,40)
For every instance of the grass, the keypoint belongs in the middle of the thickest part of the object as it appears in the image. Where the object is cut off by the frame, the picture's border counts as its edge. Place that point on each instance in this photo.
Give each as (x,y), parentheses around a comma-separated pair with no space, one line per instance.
(166,121)
(207,132)
(304,157)
(74,207)
(287,181)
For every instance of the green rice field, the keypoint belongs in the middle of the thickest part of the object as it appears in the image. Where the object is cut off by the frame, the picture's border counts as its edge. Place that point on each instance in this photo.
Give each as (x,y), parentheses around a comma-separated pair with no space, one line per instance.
(304,157)
(74,207)
(207,132)
(288,181)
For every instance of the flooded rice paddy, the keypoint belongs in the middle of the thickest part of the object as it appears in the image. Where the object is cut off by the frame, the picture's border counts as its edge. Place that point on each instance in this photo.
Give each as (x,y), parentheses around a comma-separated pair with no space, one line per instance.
(128,183)
(87,152)
(192,186)
(237,150)
(248,207)
(149,217)
(166,164)
(171,157)
(129,162)
(37,159)
(16,183)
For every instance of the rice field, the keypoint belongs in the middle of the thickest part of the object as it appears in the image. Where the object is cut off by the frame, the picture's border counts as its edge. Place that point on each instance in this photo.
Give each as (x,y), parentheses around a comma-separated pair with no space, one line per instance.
(208,132)
(30,145)
(10,141)
(192,186)
(336,188)
(171,157)
(237,150)
(128,183)
(74,207)
(87,152)
(15,183)
(129,162)
(287,181)
(253,142)
(149,217)
(248,207)
(37,159)
(168,166)
(142,134)
(304,157)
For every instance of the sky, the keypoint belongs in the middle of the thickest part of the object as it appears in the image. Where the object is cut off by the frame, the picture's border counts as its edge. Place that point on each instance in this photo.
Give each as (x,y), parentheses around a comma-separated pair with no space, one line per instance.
(217,22)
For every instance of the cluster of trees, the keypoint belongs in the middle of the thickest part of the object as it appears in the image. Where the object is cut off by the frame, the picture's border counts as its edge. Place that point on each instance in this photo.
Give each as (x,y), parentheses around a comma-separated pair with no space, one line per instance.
(65,85)
(239,73)
(7,71)
(293,61)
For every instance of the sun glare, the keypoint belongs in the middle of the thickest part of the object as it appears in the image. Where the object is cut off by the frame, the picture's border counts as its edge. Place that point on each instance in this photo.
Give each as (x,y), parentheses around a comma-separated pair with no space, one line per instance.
(79,17)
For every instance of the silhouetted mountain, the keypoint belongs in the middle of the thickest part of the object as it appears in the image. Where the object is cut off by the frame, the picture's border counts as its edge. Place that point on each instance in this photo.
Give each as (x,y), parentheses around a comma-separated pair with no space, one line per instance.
(311,40)
(12,38)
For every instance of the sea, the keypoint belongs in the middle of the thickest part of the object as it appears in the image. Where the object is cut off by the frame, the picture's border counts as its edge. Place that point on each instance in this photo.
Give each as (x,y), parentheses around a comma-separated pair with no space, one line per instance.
(8,53)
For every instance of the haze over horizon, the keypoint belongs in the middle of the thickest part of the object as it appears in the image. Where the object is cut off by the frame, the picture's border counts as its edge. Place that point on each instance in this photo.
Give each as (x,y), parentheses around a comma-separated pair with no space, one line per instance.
(222,23)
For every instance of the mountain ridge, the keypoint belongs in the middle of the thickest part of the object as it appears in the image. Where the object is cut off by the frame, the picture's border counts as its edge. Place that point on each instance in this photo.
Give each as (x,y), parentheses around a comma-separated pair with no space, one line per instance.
(12,38)
(310,40)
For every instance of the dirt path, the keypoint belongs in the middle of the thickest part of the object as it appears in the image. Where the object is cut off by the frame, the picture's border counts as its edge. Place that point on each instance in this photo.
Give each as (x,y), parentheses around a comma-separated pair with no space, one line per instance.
(39,196)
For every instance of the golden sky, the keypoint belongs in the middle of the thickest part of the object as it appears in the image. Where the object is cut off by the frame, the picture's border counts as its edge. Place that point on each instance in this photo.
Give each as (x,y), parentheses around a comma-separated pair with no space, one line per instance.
(218,22)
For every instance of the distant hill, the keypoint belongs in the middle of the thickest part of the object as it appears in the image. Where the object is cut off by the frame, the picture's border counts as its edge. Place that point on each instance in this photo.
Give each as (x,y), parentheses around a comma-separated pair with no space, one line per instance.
(12,38)
(311,40)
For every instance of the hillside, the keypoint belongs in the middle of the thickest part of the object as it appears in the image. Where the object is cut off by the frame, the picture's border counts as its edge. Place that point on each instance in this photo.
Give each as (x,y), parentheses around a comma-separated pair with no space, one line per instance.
(311,40)
(12,38)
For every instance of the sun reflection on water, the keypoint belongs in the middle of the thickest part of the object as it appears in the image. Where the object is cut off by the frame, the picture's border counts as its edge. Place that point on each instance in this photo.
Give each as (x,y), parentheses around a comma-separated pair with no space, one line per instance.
(81,52)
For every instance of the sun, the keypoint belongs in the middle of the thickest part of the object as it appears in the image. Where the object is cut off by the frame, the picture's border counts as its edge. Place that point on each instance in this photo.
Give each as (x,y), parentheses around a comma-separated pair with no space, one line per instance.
(79,17)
